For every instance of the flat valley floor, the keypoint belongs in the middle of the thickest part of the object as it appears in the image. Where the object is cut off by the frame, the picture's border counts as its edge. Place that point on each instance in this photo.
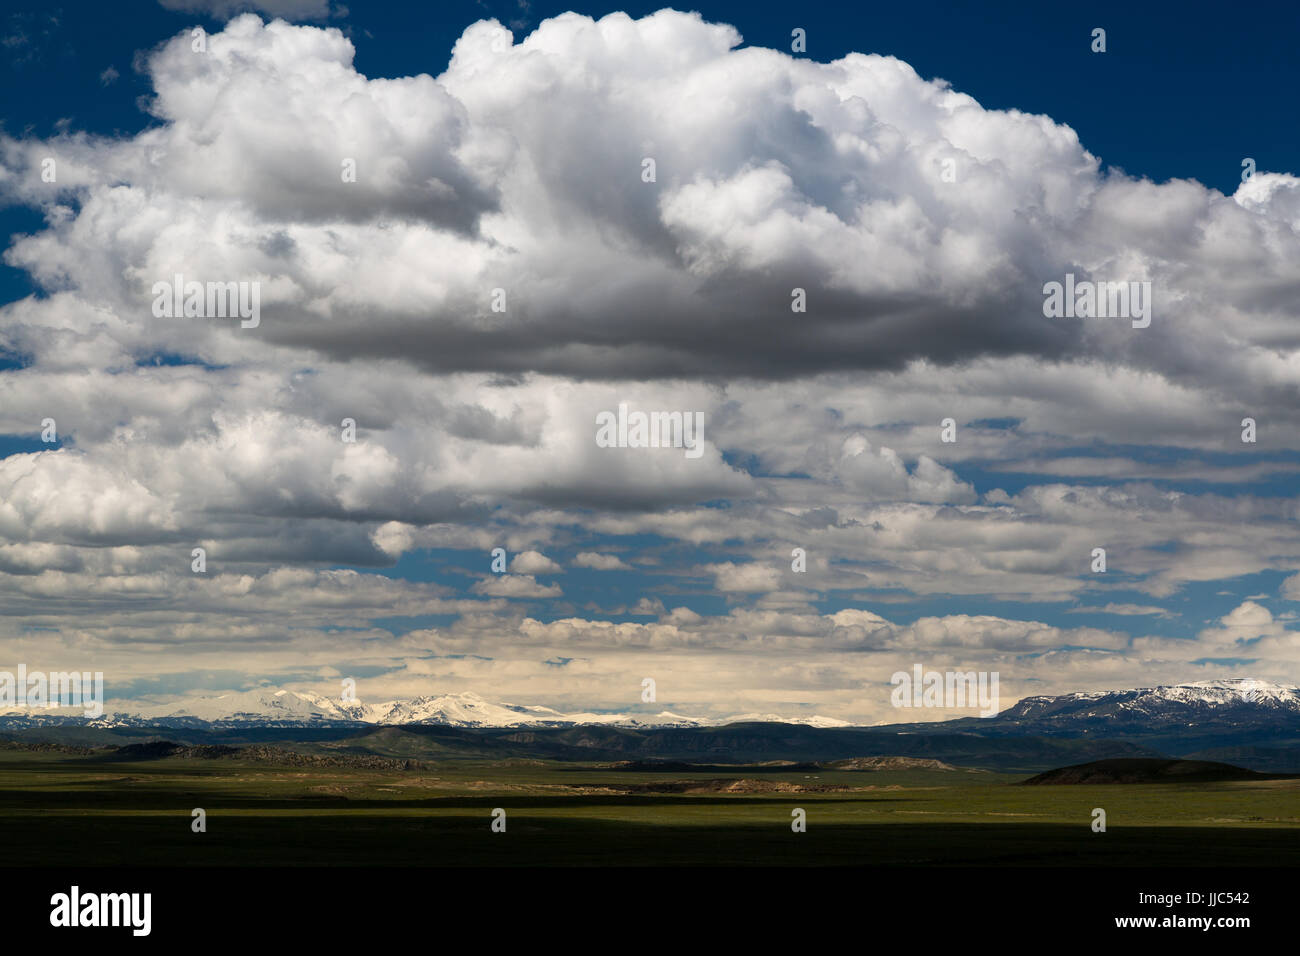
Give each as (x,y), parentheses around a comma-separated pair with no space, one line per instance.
(58,809)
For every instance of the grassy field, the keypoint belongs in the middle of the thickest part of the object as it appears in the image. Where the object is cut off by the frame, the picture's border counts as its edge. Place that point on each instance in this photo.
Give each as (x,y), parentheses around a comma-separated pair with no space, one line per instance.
(58,809)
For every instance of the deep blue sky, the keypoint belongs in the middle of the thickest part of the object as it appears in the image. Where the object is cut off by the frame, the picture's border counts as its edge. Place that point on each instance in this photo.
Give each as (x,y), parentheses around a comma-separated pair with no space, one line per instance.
(1183,90)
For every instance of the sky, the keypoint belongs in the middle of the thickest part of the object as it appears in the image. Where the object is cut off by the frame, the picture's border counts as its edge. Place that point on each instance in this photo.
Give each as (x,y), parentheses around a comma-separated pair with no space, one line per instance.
(827,236)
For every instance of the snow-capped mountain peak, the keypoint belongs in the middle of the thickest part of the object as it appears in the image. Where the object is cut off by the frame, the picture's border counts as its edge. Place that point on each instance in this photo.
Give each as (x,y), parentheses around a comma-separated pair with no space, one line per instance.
(279,707)
(1227,701)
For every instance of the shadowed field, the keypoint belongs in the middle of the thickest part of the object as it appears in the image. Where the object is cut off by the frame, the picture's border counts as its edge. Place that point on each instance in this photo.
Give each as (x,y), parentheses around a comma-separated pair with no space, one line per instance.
(57,809)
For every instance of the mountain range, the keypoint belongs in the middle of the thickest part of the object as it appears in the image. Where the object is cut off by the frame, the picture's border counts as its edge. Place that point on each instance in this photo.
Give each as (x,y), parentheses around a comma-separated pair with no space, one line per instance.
(1179,708)
(1254,724)
(1218,705)
(269,707)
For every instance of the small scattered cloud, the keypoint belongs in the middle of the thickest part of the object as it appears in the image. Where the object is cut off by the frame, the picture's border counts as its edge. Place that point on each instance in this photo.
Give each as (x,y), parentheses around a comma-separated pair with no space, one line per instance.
(534,562)
(515,586)
(600,562)
(1124,610)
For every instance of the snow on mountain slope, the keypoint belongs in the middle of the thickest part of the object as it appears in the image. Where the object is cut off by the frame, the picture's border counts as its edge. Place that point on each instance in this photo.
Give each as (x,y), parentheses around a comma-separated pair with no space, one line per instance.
(289,708)
(1197,695)
(1232,703)
(1218,706)
(254,704)
(813,721)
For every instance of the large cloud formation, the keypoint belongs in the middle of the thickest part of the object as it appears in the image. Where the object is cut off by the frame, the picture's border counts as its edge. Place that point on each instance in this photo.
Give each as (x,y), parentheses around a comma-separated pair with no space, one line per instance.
(920,226)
